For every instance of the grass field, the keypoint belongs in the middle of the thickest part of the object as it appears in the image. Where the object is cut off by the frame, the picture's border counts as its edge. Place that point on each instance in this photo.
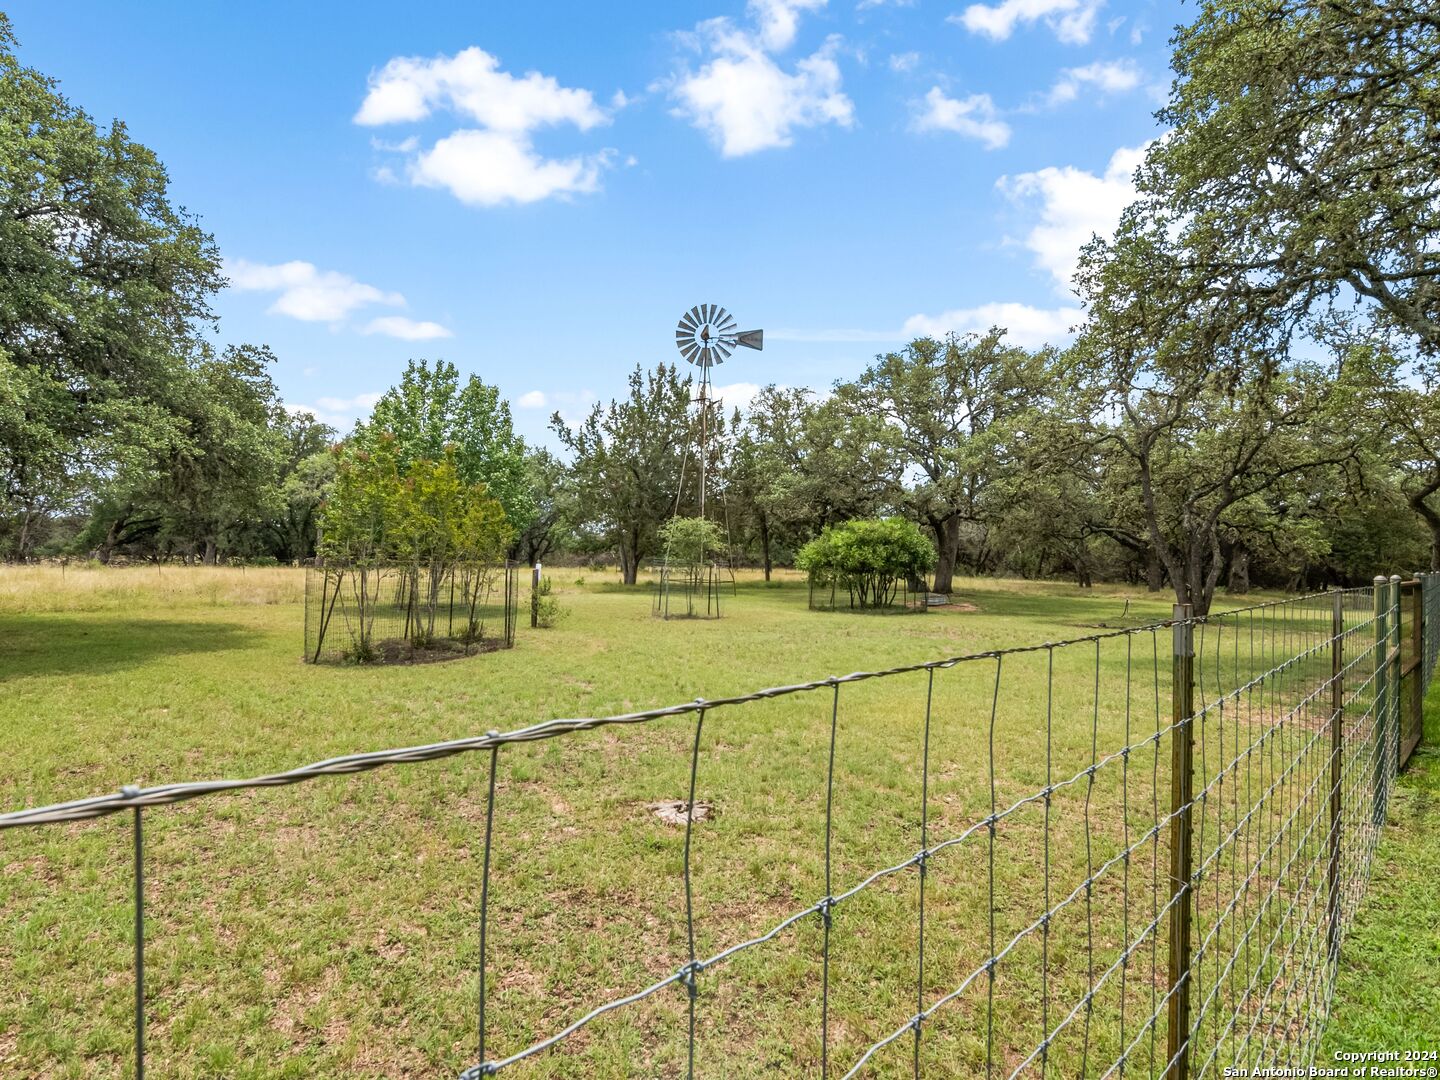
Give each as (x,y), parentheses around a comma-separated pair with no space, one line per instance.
(331,929)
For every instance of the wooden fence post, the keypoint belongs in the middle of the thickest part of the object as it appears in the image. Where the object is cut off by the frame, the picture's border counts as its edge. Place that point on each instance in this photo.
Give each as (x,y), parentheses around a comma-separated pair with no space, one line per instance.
(1337,751)
(1182,794)
(1382,695)
(1397,674)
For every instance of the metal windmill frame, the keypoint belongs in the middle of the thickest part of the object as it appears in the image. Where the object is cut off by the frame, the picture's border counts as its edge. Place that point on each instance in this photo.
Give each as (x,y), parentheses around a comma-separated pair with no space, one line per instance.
(706,335)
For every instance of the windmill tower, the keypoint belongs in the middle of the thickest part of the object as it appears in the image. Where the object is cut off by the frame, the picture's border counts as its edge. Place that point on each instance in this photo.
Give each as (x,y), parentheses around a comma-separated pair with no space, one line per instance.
(706,336)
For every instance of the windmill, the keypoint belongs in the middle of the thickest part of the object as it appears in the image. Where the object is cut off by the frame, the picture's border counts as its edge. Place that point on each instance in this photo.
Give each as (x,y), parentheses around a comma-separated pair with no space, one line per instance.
(706,336)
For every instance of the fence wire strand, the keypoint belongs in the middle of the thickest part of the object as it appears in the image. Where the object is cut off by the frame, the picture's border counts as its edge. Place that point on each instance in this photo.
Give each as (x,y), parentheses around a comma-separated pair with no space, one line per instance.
(1295,721)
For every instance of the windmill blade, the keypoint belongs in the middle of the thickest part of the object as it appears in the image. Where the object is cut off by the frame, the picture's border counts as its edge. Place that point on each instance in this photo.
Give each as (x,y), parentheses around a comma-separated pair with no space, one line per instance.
(710,310)
(689,351)
(751,339)
(726,323)
(684,335)
(724,348)
(696,318)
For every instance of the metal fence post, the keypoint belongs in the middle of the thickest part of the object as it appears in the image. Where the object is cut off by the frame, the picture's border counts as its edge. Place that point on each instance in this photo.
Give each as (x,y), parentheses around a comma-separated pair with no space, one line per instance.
(1382,694)
(1182,761)
(535,596)
(1337,750)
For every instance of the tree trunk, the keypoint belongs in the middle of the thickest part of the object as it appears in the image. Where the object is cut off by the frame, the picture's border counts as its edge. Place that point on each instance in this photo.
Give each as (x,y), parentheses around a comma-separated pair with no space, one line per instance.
(112,537)
(947,544)
(210,552)
(1154,570)
(765,544)
(629,563)
(1238,582)
(1432,520)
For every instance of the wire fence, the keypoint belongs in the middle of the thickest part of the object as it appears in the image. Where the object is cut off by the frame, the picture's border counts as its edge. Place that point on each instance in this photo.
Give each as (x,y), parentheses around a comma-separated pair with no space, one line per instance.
(1138,852)
(383,612)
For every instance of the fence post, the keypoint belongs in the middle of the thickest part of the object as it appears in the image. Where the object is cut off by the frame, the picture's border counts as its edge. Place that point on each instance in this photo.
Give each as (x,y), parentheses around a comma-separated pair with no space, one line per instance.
(1382,694)
(535,596)
(1397,680)
(1417,654)
(1182,760)
(1337,750)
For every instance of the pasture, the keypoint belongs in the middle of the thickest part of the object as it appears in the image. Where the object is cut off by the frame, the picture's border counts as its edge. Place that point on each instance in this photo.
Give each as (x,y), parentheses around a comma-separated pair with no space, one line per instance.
(331,928)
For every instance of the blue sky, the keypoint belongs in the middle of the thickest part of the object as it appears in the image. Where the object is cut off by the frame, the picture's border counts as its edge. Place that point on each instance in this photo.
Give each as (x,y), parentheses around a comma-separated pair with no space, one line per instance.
(537,192)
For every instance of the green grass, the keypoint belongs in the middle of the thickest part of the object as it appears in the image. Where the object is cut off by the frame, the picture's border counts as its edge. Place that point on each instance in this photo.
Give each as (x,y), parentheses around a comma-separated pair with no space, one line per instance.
(1387,996)
(331,929)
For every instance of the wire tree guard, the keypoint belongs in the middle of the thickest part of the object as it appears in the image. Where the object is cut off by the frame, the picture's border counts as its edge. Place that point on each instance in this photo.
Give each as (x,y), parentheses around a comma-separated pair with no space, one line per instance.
(386,612)
(691,578)
(842,592)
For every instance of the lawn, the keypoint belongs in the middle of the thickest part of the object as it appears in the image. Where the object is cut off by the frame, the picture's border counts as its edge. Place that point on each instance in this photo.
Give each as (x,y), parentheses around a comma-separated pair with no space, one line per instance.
(331,928)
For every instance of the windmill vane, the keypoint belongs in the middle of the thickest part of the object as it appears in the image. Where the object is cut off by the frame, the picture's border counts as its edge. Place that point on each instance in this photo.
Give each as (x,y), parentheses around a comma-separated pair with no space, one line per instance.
(706,336)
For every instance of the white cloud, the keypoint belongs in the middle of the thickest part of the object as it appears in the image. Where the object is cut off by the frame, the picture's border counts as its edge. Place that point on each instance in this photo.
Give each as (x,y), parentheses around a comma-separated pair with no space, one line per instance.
(974,117)
(736,395)
(1072,21)
(534,399)
(495,163)
(337,412)
(409,88)
(1073,205)
(779,20)
(306,292)
(903,62)
(1108,77)
(398,326)
(744,100)
(490,168)
(1025,325)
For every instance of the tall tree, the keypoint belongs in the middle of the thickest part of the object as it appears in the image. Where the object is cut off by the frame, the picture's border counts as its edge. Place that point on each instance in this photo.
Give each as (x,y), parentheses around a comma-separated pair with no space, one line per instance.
(628,458)
(430,410)
(1301,159)
(955,408)
(103,286)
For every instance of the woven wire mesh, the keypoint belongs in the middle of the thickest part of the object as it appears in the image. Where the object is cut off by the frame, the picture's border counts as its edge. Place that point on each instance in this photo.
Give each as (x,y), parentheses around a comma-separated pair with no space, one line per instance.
(389,612)
(1027,857)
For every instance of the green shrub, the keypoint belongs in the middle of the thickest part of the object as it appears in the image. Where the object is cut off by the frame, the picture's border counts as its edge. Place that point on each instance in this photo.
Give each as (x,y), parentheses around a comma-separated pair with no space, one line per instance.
(869,557)
(687,539)
(548,609)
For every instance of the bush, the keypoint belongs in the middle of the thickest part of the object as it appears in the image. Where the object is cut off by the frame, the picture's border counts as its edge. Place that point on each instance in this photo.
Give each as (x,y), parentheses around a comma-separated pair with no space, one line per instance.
(548,611)
(687,539)
(870,558)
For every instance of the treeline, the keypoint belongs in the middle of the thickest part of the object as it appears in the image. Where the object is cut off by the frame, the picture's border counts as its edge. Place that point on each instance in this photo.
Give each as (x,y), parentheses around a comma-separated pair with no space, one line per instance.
(1248,400)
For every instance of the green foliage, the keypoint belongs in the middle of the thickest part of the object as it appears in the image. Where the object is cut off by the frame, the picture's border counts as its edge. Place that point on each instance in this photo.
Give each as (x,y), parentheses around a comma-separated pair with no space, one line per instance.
(951,412)
(105,290)
(627,463)
(429,414)
(690,539)
(870,558)
(549,612)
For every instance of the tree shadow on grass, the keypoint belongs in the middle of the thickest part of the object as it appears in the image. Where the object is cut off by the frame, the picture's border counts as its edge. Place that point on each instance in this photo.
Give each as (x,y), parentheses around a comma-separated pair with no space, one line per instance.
(81,644)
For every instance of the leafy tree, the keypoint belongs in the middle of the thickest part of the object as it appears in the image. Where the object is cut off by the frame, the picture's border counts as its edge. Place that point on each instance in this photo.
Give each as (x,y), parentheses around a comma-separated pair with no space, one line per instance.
(955,408)
(552,492)
(306,475)
(208,475)
(429,410)
(105,285)
(1300,165)
(688,539)
(870,558)
(800,465)
(627,462)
